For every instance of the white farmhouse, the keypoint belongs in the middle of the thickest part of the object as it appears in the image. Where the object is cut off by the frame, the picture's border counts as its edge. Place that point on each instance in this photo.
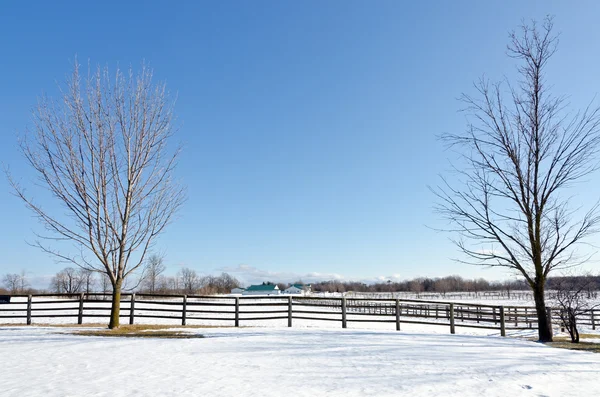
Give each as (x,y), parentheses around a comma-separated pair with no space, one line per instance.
(298,289)
(293,290)
(262,289)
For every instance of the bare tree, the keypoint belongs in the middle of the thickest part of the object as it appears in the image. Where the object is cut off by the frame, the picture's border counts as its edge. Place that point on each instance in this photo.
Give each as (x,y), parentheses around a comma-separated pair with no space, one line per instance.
(520,151)
(68,280)
(152,271)
(16,283)
(189,279)
(88,280)
(11,282)
(105,284)
(442,286)
(173,283)
(416,286)
(163,284)
(572,296)
(103,153)
(224,283)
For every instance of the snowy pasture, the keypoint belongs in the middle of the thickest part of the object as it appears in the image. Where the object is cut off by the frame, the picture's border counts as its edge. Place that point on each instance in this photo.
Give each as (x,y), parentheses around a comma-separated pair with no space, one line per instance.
(50,361)
(263,357)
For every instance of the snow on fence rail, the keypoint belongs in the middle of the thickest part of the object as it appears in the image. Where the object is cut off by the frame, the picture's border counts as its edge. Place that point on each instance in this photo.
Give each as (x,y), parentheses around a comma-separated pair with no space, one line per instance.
(232,310)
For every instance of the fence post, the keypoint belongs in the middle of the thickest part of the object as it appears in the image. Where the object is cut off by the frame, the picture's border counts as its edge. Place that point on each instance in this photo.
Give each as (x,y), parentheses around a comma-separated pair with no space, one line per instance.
(237,311)
(132,309)
(452,329)
(502,322)
(80,314)
(344,312)
(29,298)
(184,311)
(397,314)
(549,316)
(289,311)
(593,320)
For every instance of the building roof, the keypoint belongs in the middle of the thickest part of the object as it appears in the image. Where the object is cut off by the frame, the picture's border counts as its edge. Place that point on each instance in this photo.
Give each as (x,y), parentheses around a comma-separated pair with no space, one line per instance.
(301,286)
(262,287)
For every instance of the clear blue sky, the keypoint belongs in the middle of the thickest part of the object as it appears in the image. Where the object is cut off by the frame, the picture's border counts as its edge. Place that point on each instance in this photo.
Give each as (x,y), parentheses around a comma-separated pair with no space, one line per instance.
(309,126)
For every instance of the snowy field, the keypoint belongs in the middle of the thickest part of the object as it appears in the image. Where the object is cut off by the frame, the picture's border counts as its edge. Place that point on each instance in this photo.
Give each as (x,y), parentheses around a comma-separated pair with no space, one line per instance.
(48,361)
(220,311)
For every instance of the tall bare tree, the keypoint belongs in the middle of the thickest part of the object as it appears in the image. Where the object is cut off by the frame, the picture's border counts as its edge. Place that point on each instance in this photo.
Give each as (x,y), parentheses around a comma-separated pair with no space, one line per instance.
(152,271)
(16,283)
(69,281)
(189,279)
(103,153)
(520,151)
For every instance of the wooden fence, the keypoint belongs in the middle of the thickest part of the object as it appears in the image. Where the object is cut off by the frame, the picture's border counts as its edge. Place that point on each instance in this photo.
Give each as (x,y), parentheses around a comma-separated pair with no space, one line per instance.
(450,296)
(236,311)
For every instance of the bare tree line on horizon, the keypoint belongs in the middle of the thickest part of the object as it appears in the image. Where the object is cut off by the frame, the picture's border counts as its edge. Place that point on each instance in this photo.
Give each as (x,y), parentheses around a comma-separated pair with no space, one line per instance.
(188,281)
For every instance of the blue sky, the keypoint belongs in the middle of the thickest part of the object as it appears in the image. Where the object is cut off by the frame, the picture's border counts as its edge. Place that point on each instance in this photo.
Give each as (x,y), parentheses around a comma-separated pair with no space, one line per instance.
(309,127)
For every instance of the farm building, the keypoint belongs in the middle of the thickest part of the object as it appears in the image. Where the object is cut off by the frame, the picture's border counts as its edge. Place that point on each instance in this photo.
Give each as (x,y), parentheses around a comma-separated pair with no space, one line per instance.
(298,289)
(262,289)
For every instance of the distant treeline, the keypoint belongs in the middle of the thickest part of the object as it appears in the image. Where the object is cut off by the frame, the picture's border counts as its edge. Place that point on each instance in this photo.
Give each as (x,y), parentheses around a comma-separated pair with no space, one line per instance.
(187,281)
(73,281)
(446,284)
(422,284)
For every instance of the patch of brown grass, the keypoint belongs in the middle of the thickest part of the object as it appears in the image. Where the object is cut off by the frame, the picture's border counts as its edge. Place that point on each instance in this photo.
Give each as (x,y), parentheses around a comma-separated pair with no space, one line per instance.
(582,345)
(589,336)
(143,331)
(564,342)
(127,331)
(133,334)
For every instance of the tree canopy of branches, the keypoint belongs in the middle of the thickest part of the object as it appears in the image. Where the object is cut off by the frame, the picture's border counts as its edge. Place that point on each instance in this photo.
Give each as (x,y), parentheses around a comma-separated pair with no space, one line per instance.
(573,299)
(15,283)
(152,272)
(102,152)
(68,280)
(71,281)
(187,281)
(520,151)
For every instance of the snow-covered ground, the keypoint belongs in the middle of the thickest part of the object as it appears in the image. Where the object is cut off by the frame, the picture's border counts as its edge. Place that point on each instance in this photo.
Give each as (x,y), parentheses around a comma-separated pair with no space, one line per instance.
(46,361)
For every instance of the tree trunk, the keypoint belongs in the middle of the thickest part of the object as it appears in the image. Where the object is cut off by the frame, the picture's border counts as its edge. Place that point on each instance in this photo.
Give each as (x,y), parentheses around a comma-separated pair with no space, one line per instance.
(544,331)
(115,309)
(575,334)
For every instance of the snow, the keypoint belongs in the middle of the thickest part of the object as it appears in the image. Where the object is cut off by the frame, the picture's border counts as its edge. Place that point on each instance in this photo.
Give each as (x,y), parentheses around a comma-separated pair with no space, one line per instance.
(49,361)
